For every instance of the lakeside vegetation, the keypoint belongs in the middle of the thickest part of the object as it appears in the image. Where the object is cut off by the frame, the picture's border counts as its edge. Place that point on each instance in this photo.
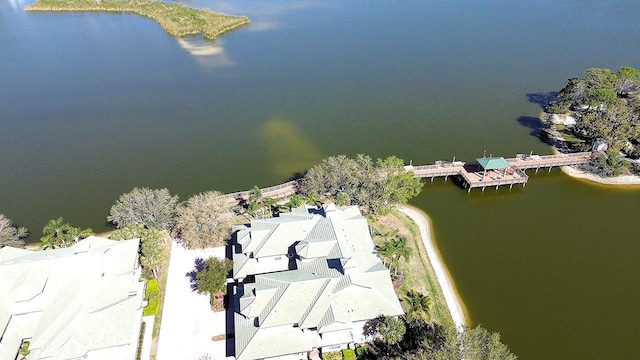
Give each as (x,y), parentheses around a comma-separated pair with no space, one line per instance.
(377,187)
(410,265)
(604,111)
(175,18)
(10,234)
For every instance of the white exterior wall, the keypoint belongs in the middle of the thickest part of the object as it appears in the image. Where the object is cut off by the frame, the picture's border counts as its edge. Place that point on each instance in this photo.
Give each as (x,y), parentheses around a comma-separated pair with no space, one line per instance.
(297,356)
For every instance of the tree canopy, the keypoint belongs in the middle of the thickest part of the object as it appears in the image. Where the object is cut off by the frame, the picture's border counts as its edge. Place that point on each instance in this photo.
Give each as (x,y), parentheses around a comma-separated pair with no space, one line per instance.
(597,87)
(10,235)
(423,340)
(376,186)
(154,208)
(205,220)
(418,305)
(606,107)
(392,329)
(213,276)
(152,252)
(477,343)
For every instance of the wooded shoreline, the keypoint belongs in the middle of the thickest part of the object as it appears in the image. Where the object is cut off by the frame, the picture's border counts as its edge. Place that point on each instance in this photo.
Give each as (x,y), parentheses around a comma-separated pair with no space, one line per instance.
(175,18)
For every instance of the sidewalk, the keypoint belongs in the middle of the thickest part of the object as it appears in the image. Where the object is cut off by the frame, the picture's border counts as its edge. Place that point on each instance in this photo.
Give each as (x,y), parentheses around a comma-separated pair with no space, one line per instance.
(145,354)
(188,324)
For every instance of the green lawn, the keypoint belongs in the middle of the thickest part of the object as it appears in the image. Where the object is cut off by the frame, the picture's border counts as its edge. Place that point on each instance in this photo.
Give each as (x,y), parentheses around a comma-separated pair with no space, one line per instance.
(418,272)
(162,285)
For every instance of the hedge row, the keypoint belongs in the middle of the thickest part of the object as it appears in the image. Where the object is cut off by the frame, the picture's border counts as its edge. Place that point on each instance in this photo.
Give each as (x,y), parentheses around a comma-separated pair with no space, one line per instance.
(140,340)
(348,354)
(152,293)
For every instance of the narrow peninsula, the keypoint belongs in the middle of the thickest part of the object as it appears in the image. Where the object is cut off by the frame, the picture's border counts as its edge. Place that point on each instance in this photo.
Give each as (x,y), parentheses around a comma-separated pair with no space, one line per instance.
(175,18)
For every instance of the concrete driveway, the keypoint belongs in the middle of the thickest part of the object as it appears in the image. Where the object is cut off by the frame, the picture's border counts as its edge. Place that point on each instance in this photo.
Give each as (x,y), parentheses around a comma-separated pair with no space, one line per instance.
(188,324)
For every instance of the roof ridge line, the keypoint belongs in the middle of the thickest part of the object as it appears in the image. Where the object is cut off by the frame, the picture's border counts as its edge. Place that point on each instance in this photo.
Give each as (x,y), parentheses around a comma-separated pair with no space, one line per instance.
(305,315)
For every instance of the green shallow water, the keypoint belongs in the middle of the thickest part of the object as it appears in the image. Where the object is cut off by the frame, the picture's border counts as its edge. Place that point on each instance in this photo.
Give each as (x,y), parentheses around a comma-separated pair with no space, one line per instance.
(92,105)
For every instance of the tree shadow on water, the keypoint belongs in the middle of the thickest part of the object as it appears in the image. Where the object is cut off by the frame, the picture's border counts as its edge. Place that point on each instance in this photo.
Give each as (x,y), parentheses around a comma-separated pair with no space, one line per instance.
(537,128)
(543,99)
(193,274)
(532,123)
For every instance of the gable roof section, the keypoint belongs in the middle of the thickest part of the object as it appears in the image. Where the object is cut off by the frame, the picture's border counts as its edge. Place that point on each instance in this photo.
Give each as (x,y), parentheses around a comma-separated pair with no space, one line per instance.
(71,302)
(339,281)
(491,163)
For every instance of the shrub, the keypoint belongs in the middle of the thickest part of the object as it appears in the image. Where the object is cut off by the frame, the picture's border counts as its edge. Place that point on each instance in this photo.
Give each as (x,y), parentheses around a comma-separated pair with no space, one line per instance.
(152,293)
(362,351)
(348,354)
(24,348)
(334,355)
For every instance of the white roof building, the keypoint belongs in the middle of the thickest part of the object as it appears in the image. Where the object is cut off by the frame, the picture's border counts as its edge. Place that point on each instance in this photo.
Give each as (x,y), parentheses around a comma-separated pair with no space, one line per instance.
(318,280)
(80,302)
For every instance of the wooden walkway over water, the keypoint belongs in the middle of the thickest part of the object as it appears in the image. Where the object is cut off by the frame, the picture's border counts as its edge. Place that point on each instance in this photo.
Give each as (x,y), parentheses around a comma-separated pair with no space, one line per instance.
(472,174)
(475,177)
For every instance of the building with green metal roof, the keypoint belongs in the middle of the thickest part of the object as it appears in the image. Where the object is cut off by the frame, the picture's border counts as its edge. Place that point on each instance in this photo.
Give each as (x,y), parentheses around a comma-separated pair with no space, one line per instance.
(80,302)
(317,280)
(493,163)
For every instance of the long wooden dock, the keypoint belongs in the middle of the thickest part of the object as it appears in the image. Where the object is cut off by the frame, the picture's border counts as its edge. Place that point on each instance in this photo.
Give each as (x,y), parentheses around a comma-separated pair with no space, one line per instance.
(476,177)
(472,174)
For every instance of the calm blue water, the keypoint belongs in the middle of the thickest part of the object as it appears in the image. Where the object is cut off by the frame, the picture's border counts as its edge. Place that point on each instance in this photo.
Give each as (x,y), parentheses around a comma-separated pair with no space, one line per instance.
(92,105)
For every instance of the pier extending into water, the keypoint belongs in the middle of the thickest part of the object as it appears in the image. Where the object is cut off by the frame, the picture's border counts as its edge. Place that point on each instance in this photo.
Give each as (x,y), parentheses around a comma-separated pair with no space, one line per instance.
(484,172)
(497,171)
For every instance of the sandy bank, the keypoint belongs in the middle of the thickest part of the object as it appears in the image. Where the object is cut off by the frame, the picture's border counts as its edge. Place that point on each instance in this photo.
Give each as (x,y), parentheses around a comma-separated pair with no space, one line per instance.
(617,180)
(444,279)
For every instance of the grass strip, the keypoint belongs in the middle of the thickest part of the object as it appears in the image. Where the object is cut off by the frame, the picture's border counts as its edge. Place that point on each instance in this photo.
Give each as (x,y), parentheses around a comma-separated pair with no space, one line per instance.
(418,271)
(175,18)
(162,285)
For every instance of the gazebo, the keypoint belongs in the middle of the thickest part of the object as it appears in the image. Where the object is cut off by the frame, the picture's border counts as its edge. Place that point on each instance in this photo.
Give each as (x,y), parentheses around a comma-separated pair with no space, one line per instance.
(493,163)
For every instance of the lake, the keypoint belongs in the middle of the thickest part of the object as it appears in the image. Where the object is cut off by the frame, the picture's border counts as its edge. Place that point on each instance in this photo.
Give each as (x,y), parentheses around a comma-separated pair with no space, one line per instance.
(93,105)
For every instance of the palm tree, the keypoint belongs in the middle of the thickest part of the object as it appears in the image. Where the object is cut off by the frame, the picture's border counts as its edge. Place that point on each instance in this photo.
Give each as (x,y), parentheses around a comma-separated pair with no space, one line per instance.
(77,234)
(272,203)
(391,329)
(403,250)
(58,234)
(54,234)
(418,304)
(314,200)
(152,255)
(295,200)
(255,202)
(394,250)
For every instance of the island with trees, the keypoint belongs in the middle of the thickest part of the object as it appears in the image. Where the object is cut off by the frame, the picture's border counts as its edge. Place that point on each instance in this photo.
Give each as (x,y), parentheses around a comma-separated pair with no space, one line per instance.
(599,111)
(175,18)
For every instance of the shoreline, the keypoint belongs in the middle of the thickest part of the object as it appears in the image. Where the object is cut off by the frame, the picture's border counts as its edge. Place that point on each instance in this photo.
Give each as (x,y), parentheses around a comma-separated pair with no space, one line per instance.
(624,180)
(451,297)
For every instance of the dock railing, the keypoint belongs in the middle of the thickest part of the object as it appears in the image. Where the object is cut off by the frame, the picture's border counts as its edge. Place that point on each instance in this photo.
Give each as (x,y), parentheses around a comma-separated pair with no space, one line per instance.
(519,164)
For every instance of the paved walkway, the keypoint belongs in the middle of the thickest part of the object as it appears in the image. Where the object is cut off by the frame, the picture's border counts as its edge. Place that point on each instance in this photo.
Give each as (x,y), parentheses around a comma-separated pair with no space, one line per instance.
(145,354)
(188,324)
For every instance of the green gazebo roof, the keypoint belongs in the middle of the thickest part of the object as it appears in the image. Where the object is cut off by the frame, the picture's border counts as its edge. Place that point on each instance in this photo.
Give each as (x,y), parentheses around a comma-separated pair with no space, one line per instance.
(491,163)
